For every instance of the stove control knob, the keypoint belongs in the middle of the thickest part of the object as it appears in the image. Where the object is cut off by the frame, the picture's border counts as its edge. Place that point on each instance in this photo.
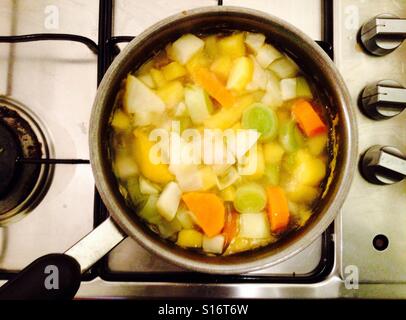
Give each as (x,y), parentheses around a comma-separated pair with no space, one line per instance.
(383,100)
(383,165)
(383,34)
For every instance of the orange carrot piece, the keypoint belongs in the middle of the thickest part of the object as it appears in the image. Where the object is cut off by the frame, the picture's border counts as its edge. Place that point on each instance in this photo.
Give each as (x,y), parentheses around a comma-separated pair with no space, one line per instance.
(278,210)
(213,86)
(230,228)
(307,118)
(208,210)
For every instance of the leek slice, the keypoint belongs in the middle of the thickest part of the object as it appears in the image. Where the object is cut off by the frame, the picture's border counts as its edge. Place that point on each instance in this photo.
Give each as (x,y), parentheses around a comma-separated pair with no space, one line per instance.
(262,119)
(250,198)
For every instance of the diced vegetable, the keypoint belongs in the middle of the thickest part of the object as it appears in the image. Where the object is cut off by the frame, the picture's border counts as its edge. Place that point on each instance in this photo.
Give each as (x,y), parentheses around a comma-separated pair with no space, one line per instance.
(262,119)
(301,193)
(231,226)
(289,162)
(250,198)
(210,46)
(172,93)
(168,229)
(308,119)
(245,140)
(228,194)
(120,120)
(272,174)
(259,77)
(232,46)
(139,98)
(144,118)
(230,177)
(147,187)
(266,55)
(213,86)
(273,152)
(240,73)
(138,199)
(149,211)
(199,60)
(145,68)
(124,166)
(226,117)
(220,169)
(184,122)
(173,70)
(284,68)
(278,210)
(253,164)
(181,110)
(254,41)
(254,226)
(240,244)
(187,176)
(186,47)
(214,244)
(216,153)
(190,238)
(302,217)
(309,170)
(288,89)
(317,144)
(168,201)
(208,210)
(273,96)
(158,77)
(221,67)
(209,178)
(156,172)
(185,219)
(290,137)
(198,104)
(147,80)
(303,89)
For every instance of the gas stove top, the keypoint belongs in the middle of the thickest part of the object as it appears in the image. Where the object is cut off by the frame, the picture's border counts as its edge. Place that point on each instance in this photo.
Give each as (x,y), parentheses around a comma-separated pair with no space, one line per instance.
(49,69)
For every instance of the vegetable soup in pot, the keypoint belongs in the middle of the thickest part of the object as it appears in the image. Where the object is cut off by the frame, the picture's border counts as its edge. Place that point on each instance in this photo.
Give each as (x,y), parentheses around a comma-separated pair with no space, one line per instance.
(219,143)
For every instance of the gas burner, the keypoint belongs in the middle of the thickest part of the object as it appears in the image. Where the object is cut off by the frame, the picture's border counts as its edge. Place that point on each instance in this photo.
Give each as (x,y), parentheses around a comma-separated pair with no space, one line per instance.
(22,185)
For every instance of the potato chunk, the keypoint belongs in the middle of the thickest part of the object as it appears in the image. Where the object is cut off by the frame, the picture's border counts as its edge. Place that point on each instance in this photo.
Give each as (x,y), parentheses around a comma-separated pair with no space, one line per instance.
(240,73)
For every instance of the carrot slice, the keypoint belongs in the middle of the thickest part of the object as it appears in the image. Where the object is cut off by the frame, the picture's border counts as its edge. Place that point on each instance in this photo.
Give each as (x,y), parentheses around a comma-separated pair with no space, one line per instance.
(278,210)
(307,118)
(208,210)
(213,86)
(230,228)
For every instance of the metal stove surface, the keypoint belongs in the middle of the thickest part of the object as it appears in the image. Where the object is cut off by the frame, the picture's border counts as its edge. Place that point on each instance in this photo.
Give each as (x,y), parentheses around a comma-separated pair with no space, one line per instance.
(57,80)
(372,210)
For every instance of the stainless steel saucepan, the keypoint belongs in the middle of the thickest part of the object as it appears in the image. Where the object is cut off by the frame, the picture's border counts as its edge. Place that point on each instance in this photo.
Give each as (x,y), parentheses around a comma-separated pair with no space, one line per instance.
(31,282)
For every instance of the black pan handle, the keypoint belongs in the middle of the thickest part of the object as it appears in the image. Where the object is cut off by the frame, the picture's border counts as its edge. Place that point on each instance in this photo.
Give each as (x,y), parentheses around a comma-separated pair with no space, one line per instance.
(57,276)
(54,276)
